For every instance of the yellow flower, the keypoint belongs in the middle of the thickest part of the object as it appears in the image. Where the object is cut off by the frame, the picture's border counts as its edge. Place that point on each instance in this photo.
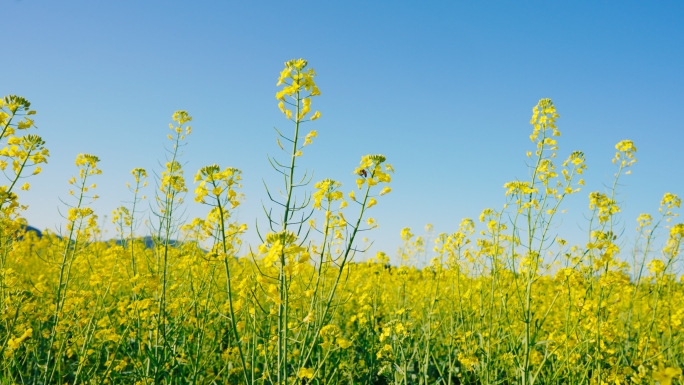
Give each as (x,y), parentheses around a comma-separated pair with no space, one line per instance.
(307,139)
(670,201)
(665,376)
(306,373)
(625,150)
(286,73)
(343,343)
(406,234)
(87,160)
(302,80)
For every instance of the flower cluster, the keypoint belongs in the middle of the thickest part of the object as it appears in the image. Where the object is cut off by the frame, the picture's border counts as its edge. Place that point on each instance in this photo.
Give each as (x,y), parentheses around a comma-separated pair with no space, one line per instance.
(297,79)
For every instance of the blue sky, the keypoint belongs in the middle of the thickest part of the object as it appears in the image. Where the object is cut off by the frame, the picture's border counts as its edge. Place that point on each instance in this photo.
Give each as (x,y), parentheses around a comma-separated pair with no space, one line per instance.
(443,89)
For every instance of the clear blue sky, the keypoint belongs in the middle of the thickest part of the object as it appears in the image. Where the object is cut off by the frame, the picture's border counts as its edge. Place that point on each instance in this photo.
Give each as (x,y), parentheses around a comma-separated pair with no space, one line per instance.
(443,89)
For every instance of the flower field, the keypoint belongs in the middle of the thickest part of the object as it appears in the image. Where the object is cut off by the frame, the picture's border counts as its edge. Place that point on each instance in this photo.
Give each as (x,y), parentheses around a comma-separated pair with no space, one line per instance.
(503,301)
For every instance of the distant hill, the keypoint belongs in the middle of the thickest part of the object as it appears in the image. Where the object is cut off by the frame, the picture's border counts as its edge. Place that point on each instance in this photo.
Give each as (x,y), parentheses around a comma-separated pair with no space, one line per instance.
(37,232)
(147,240)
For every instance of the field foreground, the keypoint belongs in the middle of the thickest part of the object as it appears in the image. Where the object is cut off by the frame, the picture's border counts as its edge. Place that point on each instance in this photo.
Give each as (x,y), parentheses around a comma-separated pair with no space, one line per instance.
(506,304)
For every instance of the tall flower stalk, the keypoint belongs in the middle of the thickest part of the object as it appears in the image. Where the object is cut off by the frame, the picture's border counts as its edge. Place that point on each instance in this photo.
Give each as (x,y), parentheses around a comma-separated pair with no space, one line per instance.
(170,196)
(285,247)
(217,188)
(18,154)
(295,103)
(81,225)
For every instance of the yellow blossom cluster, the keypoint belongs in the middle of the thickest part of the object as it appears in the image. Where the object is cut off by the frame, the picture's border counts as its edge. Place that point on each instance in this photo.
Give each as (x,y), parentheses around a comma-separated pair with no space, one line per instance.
(297,79)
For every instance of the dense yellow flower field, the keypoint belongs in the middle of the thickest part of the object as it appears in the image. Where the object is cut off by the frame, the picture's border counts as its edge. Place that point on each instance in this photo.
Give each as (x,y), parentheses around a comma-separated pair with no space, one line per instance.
(510,304)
